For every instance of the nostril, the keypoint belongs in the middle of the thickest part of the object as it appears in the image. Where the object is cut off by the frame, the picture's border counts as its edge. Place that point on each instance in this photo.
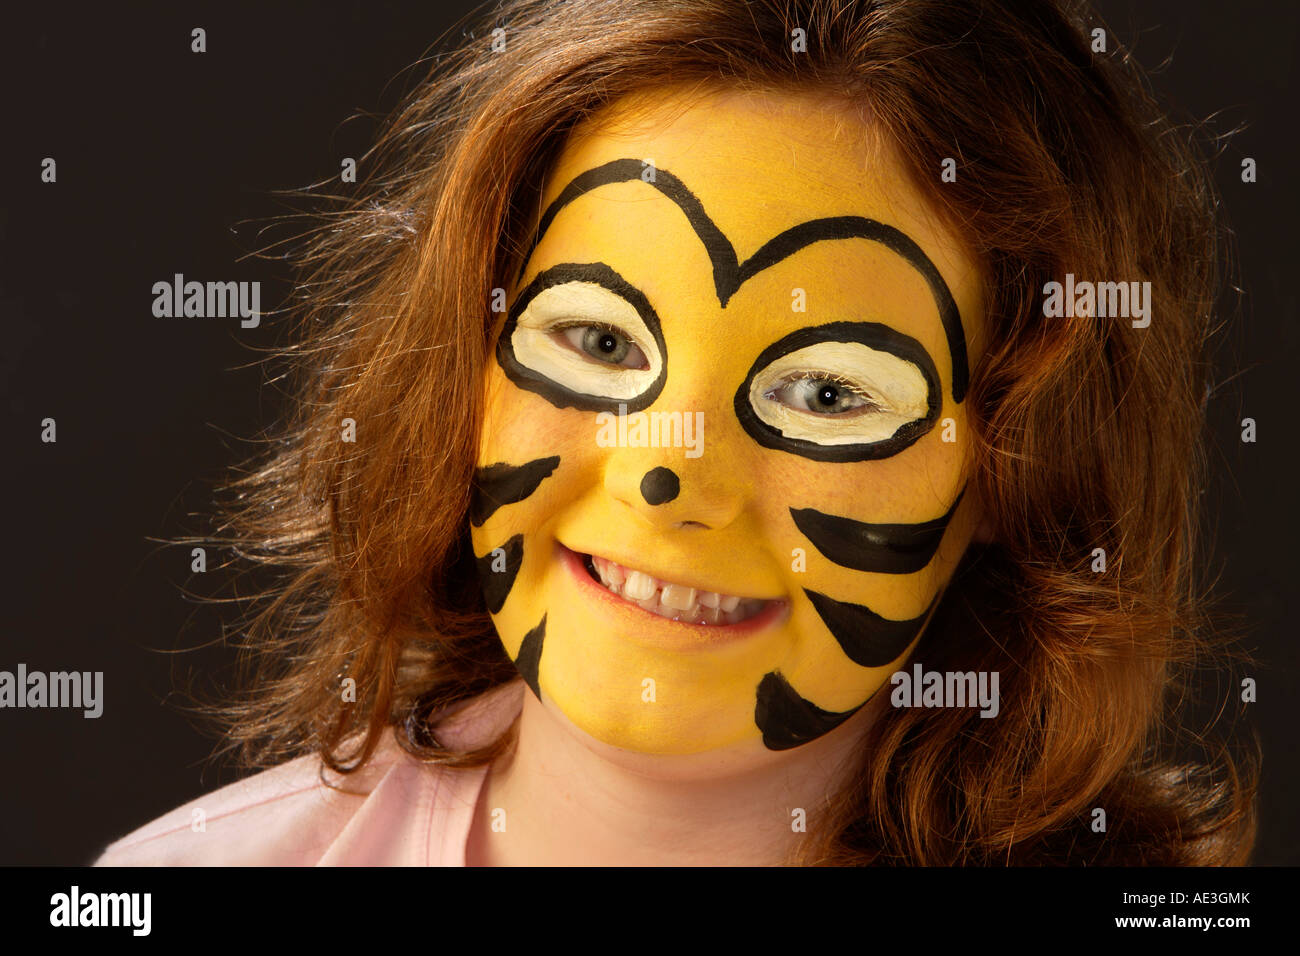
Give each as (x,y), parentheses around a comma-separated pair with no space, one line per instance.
(660,485)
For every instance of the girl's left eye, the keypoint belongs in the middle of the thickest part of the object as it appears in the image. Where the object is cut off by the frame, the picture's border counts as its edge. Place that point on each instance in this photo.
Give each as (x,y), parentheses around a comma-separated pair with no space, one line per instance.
(822,395)
(605,344)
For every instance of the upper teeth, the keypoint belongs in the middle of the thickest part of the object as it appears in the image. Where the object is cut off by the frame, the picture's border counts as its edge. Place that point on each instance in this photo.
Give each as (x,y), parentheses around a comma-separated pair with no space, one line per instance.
(676,601)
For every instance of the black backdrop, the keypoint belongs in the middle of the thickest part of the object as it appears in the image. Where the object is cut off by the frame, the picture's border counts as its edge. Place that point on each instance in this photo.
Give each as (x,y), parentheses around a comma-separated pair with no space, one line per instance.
(167,160)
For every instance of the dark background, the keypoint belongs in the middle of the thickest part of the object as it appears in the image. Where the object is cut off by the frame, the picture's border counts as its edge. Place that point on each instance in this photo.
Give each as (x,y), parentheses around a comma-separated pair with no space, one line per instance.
(167,162)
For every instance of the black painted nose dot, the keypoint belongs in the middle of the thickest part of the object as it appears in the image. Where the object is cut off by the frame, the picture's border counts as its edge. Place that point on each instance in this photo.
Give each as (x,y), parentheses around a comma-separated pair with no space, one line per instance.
(660,485)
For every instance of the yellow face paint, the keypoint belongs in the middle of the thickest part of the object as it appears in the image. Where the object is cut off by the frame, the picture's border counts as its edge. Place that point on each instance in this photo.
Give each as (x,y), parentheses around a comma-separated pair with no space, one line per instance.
(730,365)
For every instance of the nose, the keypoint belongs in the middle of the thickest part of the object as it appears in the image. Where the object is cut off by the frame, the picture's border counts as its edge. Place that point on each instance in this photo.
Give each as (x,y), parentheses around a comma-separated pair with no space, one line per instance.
(676,495)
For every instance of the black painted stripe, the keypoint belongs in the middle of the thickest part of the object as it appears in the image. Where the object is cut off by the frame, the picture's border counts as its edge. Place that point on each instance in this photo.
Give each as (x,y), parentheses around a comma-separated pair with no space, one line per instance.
(786,719)
(530,656)
(859,227)
(496,585)
(865,637)
(729,274)
(660,486)
(502,484)
(881,548)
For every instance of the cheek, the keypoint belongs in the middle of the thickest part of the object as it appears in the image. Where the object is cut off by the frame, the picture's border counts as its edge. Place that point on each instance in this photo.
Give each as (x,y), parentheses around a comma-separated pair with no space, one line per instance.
(850,626)
(534,462)
(913,488)
(521,426)
(907,487)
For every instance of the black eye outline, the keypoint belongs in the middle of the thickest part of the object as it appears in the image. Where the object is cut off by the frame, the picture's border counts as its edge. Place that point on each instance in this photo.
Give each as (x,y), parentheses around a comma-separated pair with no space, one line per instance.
(558,395)
(871,334)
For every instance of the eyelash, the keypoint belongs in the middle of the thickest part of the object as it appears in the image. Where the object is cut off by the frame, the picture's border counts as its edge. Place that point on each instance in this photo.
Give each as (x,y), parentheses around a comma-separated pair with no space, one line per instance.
(871,403)
(563,326)
(592,324)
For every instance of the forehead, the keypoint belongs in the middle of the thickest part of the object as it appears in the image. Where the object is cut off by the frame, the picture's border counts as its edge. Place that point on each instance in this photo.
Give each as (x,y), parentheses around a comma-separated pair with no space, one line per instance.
(759,164)
(799,156)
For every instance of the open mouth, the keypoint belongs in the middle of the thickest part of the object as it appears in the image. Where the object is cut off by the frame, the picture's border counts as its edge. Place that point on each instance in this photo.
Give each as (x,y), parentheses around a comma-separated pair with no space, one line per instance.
(676,602)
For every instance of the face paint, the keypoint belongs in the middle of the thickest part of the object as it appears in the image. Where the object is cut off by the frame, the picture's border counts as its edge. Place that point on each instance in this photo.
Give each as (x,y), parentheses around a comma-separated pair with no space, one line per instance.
(503,484)
(811,538)
(660,485)
(729,274)
(533,358)
(884,548)
(497,572)
(865,637)
(530,655)
(904,404)
(786,719)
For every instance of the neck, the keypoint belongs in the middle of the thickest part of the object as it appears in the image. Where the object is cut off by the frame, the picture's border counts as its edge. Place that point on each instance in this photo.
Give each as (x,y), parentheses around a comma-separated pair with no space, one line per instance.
(570,801)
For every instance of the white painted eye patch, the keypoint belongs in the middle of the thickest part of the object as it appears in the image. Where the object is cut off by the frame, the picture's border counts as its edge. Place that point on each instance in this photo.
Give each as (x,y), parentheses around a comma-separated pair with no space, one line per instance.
(582,337)
(839,393)
(844,391)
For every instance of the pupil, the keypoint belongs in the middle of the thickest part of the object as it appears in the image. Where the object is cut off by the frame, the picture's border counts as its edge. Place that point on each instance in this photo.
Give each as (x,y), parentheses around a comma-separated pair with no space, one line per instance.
(828,395)
(605,345)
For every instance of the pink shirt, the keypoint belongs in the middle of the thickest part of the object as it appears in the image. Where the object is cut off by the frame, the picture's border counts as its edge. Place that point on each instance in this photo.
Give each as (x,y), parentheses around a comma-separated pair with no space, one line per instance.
(397,811)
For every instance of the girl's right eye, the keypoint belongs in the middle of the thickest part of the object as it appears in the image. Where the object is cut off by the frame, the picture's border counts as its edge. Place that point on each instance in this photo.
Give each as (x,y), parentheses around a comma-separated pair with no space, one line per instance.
(590,342)
(605,344)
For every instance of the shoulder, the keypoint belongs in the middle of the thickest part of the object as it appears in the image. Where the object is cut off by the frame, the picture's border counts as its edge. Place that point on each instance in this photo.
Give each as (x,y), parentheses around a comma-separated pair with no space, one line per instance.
(288,815)
(396,810)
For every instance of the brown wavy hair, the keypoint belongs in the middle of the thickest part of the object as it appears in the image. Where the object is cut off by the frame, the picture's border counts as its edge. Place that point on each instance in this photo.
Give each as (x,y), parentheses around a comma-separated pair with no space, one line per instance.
(1089,432)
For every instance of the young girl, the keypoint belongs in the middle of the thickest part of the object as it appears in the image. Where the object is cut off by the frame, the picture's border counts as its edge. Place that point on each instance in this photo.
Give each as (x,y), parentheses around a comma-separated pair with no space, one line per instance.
(695,461)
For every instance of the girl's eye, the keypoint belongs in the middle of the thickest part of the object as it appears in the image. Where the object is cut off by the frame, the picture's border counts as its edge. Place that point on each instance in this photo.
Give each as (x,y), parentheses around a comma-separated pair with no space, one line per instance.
(844,391)
(821,395)
(605,345)
(581,337)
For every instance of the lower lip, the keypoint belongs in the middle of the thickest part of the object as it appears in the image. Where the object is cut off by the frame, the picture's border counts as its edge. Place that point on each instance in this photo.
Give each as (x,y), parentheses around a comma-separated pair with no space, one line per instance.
(662,630)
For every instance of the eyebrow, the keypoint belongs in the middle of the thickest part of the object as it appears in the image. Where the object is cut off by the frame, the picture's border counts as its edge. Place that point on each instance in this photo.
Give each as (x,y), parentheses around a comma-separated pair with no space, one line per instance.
(729,274)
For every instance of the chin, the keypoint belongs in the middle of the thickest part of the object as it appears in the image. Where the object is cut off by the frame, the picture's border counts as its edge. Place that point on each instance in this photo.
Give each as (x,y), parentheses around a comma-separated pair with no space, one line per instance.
(663,757)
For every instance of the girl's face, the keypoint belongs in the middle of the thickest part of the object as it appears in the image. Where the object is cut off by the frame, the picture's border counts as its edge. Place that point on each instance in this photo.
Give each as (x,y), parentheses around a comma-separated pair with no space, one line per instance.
(721,478)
